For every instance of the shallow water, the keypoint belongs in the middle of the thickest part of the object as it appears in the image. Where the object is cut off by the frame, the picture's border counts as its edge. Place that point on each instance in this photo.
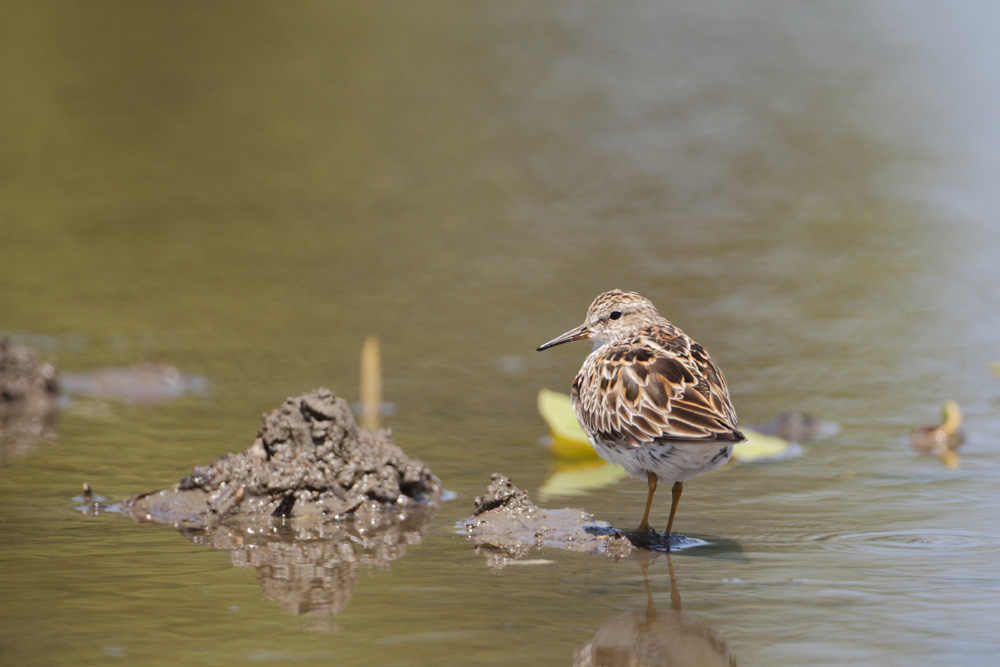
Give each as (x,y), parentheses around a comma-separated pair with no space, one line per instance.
(808,191)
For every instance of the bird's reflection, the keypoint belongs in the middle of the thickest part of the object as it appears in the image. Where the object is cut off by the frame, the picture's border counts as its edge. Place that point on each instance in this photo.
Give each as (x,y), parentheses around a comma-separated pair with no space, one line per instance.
(655,636)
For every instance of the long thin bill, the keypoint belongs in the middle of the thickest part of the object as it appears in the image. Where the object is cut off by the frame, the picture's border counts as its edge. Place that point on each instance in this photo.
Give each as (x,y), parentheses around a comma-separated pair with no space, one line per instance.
(578,333)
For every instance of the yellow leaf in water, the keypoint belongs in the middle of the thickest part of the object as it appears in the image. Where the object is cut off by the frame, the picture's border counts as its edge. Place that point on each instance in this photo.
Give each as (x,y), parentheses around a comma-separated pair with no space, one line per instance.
(760,447)
(568,439)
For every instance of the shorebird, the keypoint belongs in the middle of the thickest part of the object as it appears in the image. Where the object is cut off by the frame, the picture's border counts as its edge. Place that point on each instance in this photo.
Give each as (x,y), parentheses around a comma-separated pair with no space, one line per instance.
(649,398)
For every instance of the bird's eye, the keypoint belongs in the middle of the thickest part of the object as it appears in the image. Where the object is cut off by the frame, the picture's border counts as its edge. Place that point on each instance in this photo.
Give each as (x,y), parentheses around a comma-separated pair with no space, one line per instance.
(615,314)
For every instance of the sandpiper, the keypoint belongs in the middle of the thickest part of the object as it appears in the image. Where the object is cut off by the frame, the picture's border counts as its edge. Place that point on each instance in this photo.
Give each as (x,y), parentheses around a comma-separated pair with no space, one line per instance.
(649,398)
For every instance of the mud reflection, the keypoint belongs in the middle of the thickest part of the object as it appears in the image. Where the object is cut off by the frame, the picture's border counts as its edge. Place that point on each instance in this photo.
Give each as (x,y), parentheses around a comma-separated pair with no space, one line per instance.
(29,390)
(313,569)
(655,636)
(32,393)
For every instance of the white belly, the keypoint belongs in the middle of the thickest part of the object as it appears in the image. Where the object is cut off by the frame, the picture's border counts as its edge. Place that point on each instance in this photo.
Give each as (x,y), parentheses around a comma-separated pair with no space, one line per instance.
(676,462)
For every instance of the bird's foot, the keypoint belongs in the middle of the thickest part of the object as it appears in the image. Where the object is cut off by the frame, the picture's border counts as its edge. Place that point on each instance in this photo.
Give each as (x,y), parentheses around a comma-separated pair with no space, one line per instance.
(643,527)
(644,537)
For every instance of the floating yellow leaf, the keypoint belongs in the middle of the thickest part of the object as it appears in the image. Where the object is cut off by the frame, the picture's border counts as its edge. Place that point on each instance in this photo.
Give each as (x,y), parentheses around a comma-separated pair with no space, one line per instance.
(568,439)
(760,447)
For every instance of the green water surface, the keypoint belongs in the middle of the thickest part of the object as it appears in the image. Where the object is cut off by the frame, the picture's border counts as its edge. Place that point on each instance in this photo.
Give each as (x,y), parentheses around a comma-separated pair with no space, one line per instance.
(247,190)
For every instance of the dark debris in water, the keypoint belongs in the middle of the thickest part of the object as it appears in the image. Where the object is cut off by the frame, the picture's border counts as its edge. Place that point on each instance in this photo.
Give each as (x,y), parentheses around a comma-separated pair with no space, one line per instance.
(32,392)
(798,427)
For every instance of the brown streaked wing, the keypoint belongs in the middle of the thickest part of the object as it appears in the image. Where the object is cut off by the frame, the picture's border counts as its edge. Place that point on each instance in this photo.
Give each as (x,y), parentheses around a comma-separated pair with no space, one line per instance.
(713,383)
(639,394)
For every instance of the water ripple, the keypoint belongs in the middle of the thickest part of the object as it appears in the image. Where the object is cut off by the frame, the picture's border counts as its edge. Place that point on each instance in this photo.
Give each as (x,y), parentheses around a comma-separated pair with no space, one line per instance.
(896,540)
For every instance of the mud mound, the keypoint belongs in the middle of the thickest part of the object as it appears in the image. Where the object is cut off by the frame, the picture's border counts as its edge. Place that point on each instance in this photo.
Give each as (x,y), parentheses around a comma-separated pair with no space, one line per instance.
(312,502)
(310,460)
(506,525)
(29,390)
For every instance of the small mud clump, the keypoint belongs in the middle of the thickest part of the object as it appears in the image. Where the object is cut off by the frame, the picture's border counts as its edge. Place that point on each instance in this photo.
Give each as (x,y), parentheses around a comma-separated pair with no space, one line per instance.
(506,525)
(310,460)
(29,394)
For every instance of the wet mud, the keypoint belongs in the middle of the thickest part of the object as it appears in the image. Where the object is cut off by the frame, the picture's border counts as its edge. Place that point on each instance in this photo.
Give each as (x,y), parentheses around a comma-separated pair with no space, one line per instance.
(310,503)
(309,461)
(506,526)
(29,394)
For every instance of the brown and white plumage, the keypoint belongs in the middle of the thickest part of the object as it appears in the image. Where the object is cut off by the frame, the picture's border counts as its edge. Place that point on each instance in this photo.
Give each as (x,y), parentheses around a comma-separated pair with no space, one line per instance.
(648,397)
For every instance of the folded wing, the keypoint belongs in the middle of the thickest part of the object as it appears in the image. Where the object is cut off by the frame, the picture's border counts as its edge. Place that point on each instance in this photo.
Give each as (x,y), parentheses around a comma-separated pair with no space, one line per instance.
(640,394)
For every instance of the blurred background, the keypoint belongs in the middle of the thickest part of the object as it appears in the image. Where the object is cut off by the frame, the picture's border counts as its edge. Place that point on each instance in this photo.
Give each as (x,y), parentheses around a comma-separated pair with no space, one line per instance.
(247,190)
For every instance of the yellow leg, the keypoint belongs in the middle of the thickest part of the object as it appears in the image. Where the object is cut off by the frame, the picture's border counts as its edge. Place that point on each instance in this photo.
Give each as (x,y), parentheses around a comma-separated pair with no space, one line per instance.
(676,493)
(651,481)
